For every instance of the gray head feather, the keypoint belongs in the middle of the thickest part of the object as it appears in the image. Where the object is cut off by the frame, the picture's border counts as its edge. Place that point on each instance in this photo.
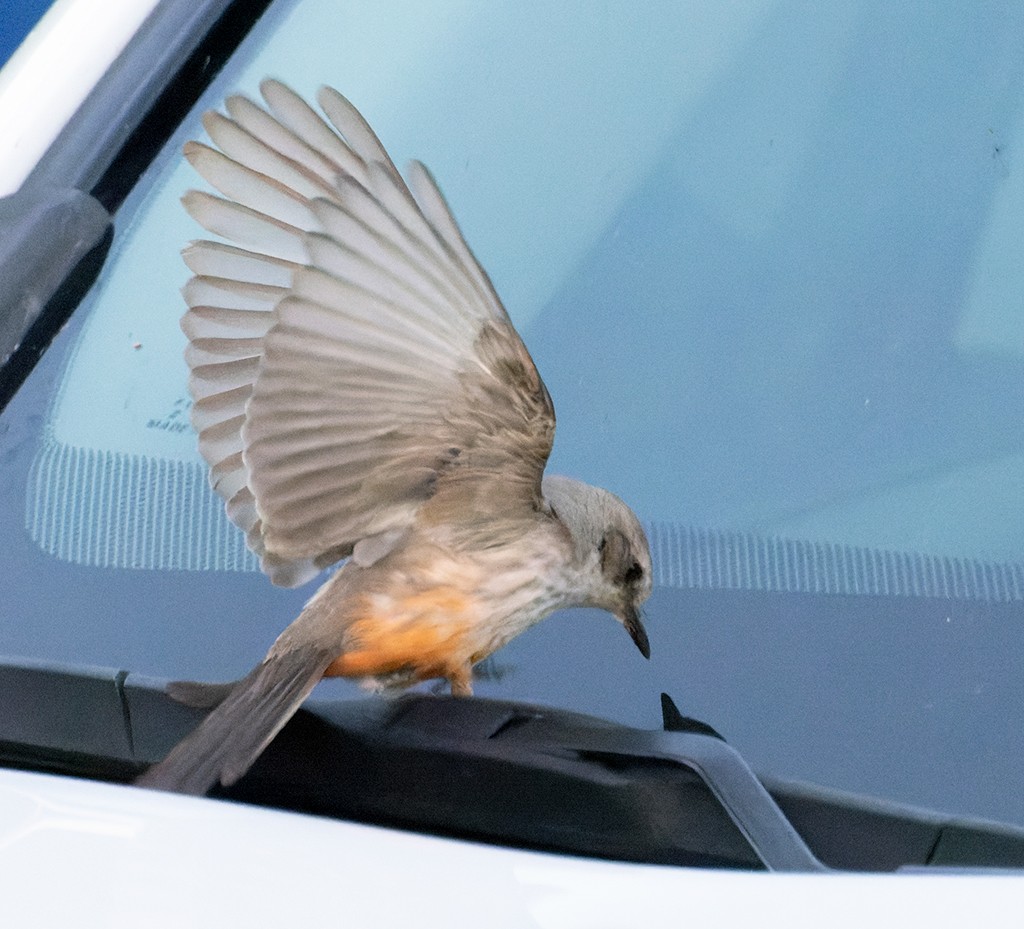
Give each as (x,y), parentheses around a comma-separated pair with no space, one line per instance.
(611,550)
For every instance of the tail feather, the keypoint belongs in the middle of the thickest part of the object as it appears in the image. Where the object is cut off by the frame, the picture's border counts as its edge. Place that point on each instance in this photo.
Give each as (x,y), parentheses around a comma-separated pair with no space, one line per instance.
(226,743)
(198,694)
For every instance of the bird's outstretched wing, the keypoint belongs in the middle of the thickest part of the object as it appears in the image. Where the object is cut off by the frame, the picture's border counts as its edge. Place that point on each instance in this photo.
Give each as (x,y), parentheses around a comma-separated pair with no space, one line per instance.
(348,354)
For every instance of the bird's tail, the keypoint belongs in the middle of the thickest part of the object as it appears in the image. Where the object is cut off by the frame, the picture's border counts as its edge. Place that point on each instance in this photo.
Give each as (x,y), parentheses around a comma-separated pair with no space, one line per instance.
(246,716)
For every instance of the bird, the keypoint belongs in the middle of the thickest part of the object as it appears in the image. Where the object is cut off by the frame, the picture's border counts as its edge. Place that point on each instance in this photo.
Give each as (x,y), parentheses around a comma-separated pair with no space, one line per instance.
(361,395)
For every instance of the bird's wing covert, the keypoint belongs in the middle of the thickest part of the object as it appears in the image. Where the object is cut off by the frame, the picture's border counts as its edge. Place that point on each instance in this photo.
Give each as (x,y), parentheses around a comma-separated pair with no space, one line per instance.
(348,354)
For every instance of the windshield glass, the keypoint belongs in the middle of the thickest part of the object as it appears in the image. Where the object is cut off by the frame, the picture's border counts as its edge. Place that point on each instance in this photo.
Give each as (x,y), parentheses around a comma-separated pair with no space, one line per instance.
(766,257)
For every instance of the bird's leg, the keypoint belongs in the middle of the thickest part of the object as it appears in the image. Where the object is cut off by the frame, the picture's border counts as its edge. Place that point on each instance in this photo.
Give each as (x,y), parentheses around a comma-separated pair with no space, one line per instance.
(461,681)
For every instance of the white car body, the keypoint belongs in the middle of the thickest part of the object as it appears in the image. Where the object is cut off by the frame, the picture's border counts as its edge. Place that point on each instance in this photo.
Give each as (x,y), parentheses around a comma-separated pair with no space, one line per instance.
(81,853)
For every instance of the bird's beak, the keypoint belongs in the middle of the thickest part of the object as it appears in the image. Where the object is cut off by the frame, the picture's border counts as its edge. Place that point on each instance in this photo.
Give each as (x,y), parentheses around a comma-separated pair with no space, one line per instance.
(630,617)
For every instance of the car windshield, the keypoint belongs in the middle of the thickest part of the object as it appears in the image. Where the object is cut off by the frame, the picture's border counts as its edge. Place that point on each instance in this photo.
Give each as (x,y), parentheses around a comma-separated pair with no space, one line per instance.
(767,258)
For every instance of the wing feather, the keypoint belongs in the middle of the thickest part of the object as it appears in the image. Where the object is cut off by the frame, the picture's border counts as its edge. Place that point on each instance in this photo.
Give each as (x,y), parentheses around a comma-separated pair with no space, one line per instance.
(298,116)
(350,360)
(241,224)
(205,321)
(436,209)
(247,187)
(210,379)
(384,255)
(355,130)
(259,124)
(238,265)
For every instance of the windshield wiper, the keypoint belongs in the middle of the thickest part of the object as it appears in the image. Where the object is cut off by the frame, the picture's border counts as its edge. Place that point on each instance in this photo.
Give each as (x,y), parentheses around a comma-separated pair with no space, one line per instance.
(502,772)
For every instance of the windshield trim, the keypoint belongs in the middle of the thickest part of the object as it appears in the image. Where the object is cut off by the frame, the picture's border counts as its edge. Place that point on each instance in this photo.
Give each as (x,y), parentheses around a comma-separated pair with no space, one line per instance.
(62,213)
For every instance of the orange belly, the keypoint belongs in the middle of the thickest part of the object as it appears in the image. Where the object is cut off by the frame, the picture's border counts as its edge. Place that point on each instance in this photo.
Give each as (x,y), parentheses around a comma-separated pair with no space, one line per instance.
(425,634)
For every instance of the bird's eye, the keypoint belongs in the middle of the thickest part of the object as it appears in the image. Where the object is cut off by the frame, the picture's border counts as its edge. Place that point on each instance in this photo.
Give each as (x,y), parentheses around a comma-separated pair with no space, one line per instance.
(633,573)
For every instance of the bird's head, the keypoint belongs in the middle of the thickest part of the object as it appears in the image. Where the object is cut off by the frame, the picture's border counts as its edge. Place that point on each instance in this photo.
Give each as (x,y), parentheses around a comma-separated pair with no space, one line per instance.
(611,551)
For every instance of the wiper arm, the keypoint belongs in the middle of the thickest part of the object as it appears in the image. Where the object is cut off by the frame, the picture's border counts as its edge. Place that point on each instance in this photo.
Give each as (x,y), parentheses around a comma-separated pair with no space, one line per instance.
(742,796)
(51,236)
